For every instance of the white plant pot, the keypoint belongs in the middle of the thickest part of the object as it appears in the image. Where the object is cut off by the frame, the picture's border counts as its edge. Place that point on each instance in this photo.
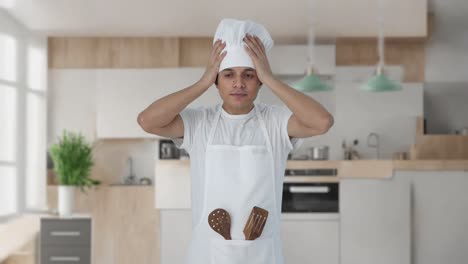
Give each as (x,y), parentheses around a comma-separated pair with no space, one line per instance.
(66,200)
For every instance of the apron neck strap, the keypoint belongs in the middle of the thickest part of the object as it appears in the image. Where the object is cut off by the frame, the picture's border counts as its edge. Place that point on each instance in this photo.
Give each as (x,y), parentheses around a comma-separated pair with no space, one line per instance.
(259,117)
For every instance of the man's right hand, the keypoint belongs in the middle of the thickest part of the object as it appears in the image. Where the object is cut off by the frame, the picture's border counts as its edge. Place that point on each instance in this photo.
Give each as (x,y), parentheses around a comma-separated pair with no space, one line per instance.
(216,56)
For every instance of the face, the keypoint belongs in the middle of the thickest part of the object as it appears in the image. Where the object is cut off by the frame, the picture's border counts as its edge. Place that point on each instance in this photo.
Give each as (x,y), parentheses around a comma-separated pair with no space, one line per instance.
(238,87)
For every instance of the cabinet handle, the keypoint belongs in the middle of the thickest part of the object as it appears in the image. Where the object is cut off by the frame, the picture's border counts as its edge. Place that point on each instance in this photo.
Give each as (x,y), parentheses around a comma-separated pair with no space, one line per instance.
(65,233)
(309,189)
(64,258)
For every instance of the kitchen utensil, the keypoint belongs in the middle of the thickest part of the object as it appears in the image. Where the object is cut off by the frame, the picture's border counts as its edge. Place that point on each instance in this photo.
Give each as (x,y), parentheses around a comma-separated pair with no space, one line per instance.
(373,142)
(255,224)
(318,153)
(349,152)
(145,181)
(400,156)
(464,131)
(220,221)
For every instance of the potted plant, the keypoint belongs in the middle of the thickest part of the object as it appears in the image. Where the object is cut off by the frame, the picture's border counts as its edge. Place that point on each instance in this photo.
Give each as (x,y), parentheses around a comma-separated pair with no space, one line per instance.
(73,160)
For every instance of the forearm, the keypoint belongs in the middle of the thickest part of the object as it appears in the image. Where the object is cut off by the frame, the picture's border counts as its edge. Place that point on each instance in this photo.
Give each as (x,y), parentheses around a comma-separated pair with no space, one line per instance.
(307,110)
(161,112)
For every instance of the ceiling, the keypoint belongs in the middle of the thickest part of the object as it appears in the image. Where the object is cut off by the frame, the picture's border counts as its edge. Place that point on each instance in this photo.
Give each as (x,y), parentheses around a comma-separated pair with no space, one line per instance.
(284,19)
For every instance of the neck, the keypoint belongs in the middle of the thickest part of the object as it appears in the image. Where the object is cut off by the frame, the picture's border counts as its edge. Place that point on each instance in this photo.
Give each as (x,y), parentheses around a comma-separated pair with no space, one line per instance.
(238,111)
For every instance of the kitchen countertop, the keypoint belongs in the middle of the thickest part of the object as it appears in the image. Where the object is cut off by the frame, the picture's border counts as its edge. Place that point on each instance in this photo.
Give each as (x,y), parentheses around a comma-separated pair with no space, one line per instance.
(378,168)
(310,216)
(358,168)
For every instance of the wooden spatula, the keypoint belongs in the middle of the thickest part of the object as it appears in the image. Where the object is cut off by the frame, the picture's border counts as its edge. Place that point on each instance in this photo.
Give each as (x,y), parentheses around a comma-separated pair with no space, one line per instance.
(255,224)
(220,221)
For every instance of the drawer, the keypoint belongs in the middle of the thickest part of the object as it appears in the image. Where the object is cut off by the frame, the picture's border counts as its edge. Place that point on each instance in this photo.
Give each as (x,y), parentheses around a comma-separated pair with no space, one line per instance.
(65,255)
(65,232)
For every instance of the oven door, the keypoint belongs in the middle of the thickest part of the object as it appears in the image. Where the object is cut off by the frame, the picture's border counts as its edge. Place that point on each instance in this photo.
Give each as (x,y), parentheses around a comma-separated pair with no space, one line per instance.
(310,198)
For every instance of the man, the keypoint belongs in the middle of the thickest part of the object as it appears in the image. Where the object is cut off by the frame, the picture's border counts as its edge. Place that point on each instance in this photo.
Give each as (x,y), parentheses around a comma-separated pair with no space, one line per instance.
(238,149)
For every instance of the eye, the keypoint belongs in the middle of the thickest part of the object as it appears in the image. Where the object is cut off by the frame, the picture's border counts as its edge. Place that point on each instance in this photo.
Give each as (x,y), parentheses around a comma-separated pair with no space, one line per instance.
(227,75)
(249,76)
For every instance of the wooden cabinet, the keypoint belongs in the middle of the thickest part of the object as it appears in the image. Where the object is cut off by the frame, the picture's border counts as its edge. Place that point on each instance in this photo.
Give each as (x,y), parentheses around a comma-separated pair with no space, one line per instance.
(375,221)
(123,93)
(310,241)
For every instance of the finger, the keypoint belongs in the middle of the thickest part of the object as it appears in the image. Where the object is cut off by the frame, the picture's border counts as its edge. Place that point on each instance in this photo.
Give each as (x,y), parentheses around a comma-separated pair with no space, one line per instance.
(259,46)
(249,51)
(215,45)
(217,50)
(259,43)
(218,47)
(221,57)
(252,45)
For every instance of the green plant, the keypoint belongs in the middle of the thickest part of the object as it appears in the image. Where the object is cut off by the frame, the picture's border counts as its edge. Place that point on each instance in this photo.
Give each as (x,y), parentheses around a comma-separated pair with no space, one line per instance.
(73,160)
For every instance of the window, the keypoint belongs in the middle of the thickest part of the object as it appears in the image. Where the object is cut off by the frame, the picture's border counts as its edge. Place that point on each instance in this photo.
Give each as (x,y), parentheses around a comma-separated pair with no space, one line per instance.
(23,93)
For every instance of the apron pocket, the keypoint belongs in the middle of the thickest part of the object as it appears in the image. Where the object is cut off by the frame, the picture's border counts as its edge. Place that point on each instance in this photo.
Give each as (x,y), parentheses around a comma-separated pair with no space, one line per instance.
(259,251)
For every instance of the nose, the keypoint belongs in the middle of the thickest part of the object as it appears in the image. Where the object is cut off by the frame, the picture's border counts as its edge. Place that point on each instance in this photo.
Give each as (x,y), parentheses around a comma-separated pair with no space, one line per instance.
(239,82)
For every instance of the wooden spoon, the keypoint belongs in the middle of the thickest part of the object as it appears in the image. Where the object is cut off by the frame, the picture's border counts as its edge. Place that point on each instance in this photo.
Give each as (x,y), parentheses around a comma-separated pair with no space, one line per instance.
(220,221)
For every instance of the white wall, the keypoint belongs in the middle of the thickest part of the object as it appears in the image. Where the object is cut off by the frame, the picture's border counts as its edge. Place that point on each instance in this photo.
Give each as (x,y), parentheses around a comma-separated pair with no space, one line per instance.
(392,115)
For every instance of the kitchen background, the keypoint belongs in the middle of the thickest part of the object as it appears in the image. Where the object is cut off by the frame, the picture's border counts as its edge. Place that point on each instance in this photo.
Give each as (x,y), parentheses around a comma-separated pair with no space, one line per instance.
(84,79)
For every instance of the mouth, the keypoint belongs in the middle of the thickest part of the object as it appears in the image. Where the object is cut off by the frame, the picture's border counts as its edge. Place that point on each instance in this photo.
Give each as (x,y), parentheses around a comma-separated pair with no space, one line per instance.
(238,95)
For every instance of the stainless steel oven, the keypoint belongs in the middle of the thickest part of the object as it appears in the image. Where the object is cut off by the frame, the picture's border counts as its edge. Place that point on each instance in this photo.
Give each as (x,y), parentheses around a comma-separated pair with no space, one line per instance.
(316,192)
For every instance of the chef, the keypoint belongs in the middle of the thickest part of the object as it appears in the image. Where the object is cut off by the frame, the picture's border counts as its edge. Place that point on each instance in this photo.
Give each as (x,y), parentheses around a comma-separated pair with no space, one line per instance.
(238,148)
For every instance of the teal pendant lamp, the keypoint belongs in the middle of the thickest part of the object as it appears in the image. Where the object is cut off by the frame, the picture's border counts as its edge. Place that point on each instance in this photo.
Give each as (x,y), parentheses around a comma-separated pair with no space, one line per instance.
(311,82)
(380,82)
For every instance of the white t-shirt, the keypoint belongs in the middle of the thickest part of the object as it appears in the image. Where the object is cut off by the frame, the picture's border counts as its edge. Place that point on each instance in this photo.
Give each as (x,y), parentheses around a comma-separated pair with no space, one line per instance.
(232,130)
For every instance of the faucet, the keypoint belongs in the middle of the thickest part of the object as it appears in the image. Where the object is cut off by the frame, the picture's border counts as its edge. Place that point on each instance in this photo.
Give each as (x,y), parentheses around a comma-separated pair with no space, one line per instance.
(129,179)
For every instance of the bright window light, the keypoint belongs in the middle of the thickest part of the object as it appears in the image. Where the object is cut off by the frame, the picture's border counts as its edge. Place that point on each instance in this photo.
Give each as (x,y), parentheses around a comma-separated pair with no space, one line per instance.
(36,69)
(8,204)
(7,4)
(35,151)
(8,123)
(8,51)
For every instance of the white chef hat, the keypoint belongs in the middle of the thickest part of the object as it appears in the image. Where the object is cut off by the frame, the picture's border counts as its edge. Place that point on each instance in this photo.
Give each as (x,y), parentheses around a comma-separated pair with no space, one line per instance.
(232,32)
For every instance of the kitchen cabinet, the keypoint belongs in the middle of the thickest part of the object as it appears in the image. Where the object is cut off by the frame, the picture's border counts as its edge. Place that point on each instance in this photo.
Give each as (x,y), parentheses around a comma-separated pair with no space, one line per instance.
(375,221)
(172,184)
(175,235)
(123,93)
(72,104)
(439,215)
(310,239)
(65,240)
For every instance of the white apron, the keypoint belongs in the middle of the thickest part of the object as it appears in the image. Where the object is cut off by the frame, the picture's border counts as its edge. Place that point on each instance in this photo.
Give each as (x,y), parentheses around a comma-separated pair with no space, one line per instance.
(237,178)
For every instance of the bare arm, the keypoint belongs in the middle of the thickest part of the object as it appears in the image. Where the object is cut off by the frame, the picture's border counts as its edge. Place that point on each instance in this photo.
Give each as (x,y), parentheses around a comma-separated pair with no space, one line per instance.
(309,117)
(162,116)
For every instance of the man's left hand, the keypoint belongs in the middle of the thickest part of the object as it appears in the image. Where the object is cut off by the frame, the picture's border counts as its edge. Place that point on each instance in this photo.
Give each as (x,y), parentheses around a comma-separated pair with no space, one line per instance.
(257,53)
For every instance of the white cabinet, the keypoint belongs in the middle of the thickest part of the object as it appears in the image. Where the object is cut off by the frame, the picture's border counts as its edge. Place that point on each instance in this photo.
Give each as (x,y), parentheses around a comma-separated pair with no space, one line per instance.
(123,93)
(440,215)
(309,240)
(172,184)
(175,235)
(375,221)
(71,103)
